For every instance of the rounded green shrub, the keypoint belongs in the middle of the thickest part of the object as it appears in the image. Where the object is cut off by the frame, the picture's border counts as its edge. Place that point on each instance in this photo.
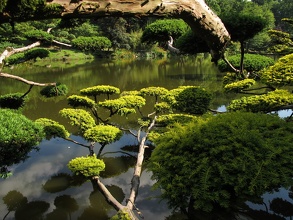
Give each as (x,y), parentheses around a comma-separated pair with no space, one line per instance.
(17,132)
(160,30)
(189,99)
(12,100)
(39,35)
(91,43)
(252,62)
(51,91)
(35,53)
(87,166)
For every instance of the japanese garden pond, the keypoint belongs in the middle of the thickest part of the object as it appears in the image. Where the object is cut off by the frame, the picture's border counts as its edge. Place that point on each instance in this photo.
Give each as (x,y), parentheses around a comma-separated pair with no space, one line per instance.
(43,178)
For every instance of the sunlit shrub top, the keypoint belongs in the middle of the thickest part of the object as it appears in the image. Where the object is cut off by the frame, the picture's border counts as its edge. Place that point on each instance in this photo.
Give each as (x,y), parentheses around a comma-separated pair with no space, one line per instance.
(103,134)
(87,166)
(280,74)
(271,101)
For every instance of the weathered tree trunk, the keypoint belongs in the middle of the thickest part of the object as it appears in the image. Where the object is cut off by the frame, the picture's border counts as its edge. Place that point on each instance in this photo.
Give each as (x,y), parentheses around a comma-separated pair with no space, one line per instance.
(195,13)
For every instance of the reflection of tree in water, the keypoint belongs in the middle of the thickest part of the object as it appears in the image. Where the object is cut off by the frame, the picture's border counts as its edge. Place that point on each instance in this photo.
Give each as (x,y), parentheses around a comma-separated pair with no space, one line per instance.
(65,205)
(13,201)
(117,165)
(281,207)
(33,210)
(58,183)
(98,200)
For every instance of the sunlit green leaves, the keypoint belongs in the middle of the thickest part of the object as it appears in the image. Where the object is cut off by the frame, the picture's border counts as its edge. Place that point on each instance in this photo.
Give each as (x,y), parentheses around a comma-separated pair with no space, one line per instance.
(80,101)
(153,91)
(18,131)
(78,117)
(98,90)
(189,99)
(280,74)
(272,101)
(52,128)
(87,166)
(239,85)
(103,134)
(127,101)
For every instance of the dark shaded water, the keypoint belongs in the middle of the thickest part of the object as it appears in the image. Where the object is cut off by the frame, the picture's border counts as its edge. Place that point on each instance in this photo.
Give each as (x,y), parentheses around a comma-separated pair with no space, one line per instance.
(44,180)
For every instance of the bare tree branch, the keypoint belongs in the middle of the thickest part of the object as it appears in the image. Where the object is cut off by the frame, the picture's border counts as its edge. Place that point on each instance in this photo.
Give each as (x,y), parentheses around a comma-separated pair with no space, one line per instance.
(18,78)
(135,182)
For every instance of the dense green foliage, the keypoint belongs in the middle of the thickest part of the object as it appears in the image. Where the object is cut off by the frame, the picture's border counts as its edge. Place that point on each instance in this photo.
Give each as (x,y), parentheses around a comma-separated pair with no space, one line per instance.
(98,90)
(281,42)
(52,128)
(91,43)
(18,132)
(12,100)
(80,101)
(252,62)
(28,55)
(272,101)
(153,91)
(239,86)
(280,74)
(160,30)
(189,43)
(226,158)
(22,8)
(103,134)
(37,35)
(189,99)
(79,117)
(121,215)
(18,137)
(51,91)
(87,166)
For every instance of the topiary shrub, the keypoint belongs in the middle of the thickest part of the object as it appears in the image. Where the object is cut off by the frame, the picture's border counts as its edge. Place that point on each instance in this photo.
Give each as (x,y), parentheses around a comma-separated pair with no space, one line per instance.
(51,91)
(280,74)
(87,166)
(37,52)
(272,101)
(52,128)
(39,35)
(160,30)
(12,101)
(252,62)
(91,43)
(17,132)
(189,99)
(15,58)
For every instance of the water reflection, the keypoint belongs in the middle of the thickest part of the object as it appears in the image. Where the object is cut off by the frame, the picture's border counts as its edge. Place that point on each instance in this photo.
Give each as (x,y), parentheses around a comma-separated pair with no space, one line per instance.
(44,179)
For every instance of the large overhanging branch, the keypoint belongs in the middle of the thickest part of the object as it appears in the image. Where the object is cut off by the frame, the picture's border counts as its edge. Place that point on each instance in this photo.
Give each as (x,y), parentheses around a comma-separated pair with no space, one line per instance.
(195,13)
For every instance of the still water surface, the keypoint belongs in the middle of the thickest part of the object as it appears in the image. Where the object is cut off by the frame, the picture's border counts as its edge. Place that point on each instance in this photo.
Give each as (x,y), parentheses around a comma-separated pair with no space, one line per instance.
(44,180)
